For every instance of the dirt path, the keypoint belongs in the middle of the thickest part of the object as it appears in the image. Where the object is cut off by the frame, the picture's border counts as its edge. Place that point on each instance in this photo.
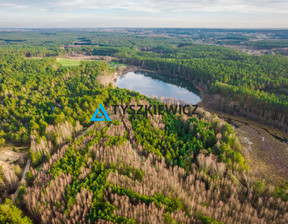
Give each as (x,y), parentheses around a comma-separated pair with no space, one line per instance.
(28,164)
(8,156)
(89,57)
(22,181)
(264,146)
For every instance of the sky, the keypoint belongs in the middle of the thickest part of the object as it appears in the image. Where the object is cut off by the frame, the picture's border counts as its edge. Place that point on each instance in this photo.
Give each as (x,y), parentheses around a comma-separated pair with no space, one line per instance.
(144,13)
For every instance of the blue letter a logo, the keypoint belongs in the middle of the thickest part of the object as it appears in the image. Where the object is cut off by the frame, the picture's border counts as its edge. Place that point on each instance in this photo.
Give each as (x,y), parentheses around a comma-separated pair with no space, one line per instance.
(100,114)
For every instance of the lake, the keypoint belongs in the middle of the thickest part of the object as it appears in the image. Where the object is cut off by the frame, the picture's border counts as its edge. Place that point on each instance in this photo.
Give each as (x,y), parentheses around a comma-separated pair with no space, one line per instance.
(153,84)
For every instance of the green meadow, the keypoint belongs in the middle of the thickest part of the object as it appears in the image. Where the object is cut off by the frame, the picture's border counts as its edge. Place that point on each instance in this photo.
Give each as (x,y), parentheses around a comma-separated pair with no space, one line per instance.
(68,62)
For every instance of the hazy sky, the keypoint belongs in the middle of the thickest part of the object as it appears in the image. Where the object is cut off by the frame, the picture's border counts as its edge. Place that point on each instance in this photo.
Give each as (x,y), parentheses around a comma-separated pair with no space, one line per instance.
(144,13)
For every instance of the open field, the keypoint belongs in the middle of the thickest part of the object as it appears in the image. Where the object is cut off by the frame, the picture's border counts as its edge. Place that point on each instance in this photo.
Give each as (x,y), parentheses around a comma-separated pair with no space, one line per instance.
(68,62)
(220,165)
(10,154)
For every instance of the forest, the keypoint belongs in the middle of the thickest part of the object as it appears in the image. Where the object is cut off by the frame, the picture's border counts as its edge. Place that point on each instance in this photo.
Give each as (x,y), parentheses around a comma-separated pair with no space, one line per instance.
(137,168)
(256,86)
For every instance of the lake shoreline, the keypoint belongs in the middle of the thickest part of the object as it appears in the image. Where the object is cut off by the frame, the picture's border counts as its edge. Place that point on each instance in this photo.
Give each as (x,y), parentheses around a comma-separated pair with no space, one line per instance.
(268,152)
(267,156)
(153,85)
(132,68)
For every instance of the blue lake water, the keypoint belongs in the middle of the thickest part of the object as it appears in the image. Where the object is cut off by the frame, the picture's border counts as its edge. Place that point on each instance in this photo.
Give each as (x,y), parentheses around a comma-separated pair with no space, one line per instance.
(152,84)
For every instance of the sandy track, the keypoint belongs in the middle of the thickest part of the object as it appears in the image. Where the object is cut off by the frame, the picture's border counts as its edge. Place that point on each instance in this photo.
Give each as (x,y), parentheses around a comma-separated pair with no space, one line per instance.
(8,156)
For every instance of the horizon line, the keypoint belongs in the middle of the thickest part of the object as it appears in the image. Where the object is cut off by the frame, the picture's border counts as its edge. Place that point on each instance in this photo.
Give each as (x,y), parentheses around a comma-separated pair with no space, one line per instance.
(138,27)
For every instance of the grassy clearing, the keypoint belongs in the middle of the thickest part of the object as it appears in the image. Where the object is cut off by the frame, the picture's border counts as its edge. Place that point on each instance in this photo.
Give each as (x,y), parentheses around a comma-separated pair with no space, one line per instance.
(68,62)
(114,64)
(76,62)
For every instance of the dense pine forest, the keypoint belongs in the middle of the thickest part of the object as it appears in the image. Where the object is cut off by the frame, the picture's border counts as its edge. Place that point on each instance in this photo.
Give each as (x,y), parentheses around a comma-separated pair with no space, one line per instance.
(137,168)
(256,85)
